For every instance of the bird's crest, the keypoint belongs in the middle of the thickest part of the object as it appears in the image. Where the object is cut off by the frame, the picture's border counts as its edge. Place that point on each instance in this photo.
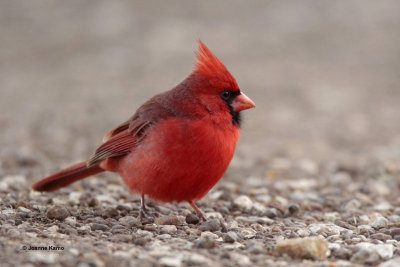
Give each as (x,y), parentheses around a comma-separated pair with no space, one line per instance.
(209,66)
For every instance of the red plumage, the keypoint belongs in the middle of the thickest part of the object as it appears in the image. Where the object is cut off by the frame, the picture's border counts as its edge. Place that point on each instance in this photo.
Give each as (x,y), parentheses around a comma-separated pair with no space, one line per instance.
(178,144)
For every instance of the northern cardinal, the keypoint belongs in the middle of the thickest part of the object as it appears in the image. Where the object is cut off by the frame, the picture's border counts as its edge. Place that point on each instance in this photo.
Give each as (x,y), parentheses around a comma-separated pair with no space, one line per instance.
(177,145)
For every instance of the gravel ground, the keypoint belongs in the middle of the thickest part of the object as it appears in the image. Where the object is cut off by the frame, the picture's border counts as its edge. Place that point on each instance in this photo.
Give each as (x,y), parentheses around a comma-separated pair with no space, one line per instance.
(316,175)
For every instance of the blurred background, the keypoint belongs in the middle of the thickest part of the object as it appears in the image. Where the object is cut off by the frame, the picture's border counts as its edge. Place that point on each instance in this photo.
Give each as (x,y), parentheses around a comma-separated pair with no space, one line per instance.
(324,74)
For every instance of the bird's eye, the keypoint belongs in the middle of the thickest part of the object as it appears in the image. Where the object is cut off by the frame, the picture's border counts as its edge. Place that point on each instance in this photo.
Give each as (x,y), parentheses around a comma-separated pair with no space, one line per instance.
(225,94)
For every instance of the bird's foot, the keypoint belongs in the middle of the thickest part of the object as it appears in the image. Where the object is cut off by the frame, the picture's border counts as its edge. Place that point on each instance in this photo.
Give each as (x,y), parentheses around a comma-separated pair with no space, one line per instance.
(144,215)
(199,213)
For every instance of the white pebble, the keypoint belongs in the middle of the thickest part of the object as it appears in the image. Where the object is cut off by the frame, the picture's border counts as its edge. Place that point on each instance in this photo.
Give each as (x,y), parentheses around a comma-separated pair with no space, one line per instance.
(243,202)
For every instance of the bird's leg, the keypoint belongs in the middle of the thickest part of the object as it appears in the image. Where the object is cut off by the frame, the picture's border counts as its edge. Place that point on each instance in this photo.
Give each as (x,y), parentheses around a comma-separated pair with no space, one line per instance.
(143,210)
(197,210)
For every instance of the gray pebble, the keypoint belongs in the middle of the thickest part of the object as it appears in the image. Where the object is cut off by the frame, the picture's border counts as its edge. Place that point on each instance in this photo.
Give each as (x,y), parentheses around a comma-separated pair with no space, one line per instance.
(211,225)
(230,237)
(379,223)
(57,213)
(365,256)
(129,221)
(98,226)
(271,213)
(110,213)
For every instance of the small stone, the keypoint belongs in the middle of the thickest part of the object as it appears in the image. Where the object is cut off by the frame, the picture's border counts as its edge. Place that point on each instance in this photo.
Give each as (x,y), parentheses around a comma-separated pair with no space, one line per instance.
(109,213)
(196,259)
(304,248)
(23,209)
(365,256)
(379,223)
(247,232)
(57,213)
(391,263)
(43,257)
(271,213)
(164,237)
(293,209)
(240,259)
(206,242)
(168,220)
(384,251)
(381,236)
(74,197)
(210,225)
(192,219)
(230,237)
(83,229)
(129,221)
(13,233)
(394,231)
(303,232)
(244,203)
(53,229)
(141,241)
(168,229)
(353,204)
(121,238)
(70,221)
(258,209)
(93,202)
(170,261)
(340,178)
(98,226)
(255,248)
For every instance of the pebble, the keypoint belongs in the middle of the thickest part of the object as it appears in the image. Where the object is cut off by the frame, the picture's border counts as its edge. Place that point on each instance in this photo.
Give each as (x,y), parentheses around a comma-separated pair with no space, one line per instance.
(170,261)
(168,220)
(258,209)
(57,213)
(293,209)
(23,209)
(210,225)
(243,203)
(365,256)
(394,231)
(98,226)
(206,242)
(192,219)
(379,223)
(129,221)
(391,263)
(230,237)
(196,259)
(70,221)
(43,257)
(381,236)
(109,213)
(327,229)
(304,248)
(13,233)
(385,251)
(271,213)
(168,229)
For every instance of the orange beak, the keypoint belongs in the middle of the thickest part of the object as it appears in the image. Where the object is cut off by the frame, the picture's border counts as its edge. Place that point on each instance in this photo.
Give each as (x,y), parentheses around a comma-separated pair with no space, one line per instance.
(242,102)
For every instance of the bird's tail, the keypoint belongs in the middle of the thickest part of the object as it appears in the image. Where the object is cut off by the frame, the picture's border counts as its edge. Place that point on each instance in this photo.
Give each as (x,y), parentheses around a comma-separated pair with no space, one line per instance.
(66,177)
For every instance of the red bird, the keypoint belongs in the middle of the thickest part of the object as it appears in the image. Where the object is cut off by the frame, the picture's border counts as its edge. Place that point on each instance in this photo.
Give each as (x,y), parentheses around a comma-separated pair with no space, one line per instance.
(177,145)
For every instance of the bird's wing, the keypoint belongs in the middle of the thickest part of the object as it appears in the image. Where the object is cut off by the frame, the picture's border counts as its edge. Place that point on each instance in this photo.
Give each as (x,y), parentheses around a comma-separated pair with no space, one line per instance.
(126,136)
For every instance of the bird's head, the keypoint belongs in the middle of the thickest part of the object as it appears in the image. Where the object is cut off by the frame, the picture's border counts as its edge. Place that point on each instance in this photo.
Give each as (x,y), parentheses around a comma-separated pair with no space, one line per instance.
(218,87)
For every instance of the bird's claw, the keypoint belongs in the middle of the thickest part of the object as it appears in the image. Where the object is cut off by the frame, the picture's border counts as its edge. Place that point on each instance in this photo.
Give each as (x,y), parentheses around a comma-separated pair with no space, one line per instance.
(146,217)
